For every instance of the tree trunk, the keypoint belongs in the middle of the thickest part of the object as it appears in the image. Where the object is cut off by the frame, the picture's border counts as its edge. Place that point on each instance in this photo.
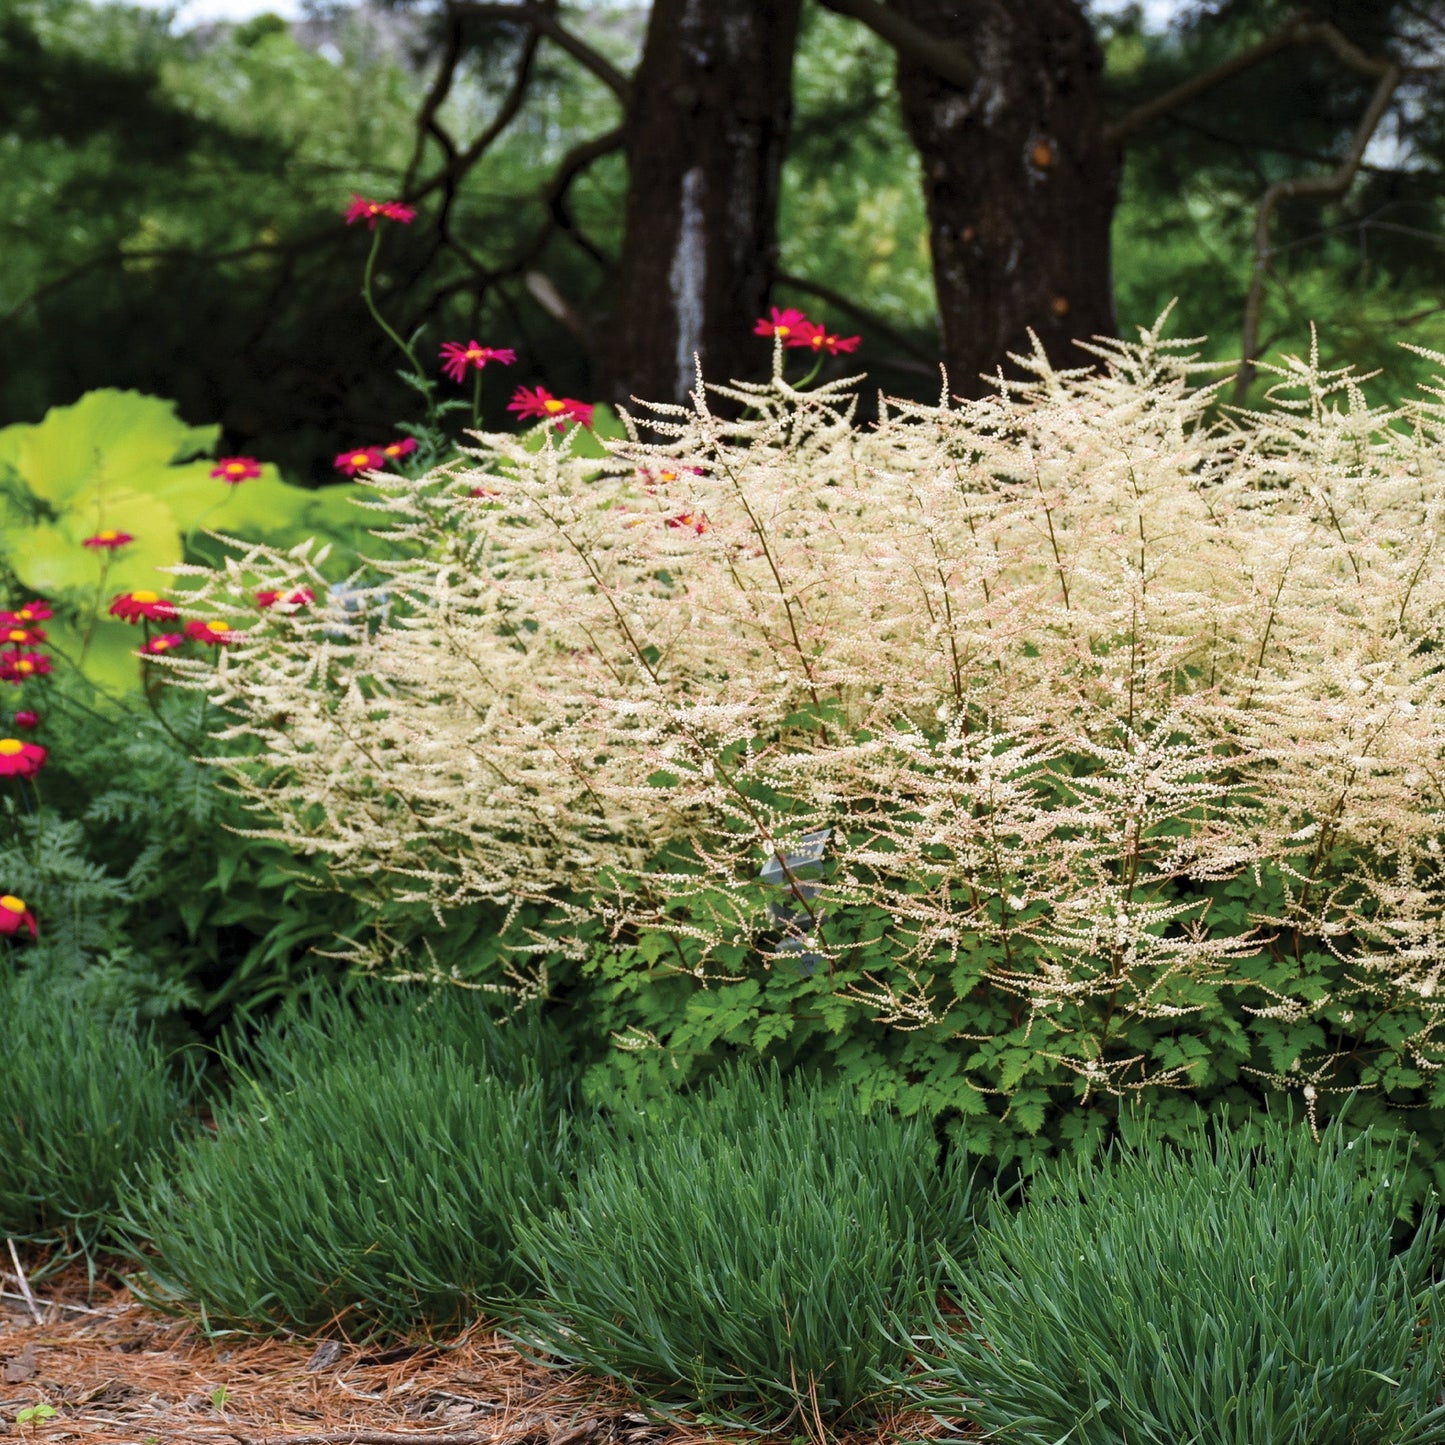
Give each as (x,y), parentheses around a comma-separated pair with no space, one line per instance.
(1019,180)
(706,137)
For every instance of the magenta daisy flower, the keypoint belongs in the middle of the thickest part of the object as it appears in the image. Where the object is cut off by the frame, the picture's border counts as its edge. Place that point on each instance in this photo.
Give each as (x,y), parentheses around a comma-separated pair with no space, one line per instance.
(236,470)
(22,666)
(150,606)
(14,916)
(539,402)
(215,633)
(107,541)
(20,759)
(358,460)
(162,642)
(23,616)
(780,323)
(457,359)
(362,209)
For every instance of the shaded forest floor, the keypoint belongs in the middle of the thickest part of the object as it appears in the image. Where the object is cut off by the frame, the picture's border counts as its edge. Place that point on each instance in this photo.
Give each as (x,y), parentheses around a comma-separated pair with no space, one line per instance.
(116,1373)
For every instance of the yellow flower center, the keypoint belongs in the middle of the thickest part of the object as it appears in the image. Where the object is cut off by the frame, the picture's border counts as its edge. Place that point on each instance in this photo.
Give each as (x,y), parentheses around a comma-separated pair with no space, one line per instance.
(236,468)
(9,747)
(359,459)
(553,405)
(24,665)
(145,596)
(218,626)
(474,353)
(17,635)
(11,904)
(107,536)
(159,645)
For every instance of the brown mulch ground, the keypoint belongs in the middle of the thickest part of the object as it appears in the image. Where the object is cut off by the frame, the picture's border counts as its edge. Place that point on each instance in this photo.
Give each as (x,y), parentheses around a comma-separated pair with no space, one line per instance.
(118,1374)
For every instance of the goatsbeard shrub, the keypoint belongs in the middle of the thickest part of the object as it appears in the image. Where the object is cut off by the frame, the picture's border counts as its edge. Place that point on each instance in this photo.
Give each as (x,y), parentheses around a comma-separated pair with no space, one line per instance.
(1113,720)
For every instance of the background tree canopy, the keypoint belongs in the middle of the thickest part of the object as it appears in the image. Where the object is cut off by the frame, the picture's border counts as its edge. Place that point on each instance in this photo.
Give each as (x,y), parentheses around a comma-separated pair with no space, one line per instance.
(937,176)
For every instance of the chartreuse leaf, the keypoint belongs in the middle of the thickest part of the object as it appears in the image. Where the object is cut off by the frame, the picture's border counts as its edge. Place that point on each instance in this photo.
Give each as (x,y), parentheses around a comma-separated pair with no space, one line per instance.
(118,435)
(121,461)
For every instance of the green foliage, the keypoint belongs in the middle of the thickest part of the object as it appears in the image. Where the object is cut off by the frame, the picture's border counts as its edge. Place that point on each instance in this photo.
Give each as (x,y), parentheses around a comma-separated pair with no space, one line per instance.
(125,462)
(1224,1294)
(373,1163)
(86,1103)
(745,1248)
(144,889)
(1016,1090)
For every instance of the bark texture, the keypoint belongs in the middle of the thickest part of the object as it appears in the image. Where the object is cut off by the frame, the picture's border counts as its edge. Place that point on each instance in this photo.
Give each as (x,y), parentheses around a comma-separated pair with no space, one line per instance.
(1019,179)
(706,136)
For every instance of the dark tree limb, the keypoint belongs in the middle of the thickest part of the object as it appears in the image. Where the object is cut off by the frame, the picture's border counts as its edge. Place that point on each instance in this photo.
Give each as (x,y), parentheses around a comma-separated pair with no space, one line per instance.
(541,19)
(1299,29)
(949,61)
(1143,115)
(437,92)
(1388,76)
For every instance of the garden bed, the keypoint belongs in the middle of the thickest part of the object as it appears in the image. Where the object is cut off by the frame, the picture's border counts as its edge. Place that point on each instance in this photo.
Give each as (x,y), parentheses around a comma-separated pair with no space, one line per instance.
(116,1373)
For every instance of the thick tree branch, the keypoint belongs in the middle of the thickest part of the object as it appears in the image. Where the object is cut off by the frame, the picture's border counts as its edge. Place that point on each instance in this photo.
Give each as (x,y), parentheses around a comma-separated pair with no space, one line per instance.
(913,44)
(1299,29)
(1146,114)
(1335,183)
(544,21)
(426,121)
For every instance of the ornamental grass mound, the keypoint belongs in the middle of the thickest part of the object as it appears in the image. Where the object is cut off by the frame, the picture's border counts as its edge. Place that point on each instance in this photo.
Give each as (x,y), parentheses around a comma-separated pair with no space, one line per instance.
(87,1102)
(1241,1291)
(371,1167)
(753,1251)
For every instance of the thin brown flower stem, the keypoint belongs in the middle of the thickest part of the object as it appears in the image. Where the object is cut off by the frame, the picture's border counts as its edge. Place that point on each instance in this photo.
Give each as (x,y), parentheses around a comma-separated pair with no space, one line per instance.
(760,532)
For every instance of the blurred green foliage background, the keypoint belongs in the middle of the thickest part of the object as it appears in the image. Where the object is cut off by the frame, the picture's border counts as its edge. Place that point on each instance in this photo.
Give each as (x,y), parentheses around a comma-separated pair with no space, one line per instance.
(170,205)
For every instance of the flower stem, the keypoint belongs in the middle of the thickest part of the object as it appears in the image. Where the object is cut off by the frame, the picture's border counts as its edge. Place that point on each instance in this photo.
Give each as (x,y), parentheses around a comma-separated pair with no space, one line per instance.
(381,321)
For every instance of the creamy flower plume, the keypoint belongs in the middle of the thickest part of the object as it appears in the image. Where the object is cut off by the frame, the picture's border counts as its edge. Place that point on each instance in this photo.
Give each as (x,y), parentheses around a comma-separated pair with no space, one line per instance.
(1036,661)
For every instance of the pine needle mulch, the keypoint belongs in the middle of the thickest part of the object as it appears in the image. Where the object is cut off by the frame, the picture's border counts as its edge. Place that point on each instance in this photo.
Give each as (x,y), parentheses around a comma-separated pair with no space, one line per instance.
(115,1373)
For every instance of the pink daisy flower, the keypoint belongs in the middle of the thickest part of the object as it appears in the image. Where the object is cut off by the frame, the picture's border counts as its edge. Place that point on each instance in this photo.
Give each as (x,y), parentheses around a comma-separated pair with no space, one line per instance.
(215,633)
(236,470)
(538,402)
(14,916)
(19,759)
(358,460)
(780,323)
(150,606)
(456,358)
(162,642)
(107,541)
(23,616)
(362,209)
(818,338)
(22,666)
(395,451)
(301,597)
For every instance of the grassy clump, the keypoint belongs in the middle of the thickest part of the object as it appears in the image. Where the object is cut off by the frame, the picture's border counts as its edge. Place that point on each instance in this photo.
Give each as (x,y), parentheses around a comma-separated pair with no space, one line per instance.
(372,1163)
(86,1101)
(746,1251)
(1229,1294)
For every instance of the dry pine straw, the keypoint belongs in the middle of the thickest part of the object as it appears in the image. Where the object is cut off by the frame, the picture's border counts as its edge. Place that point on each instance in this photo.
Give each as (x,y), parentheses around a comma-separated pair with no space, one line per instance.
(118,1374)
